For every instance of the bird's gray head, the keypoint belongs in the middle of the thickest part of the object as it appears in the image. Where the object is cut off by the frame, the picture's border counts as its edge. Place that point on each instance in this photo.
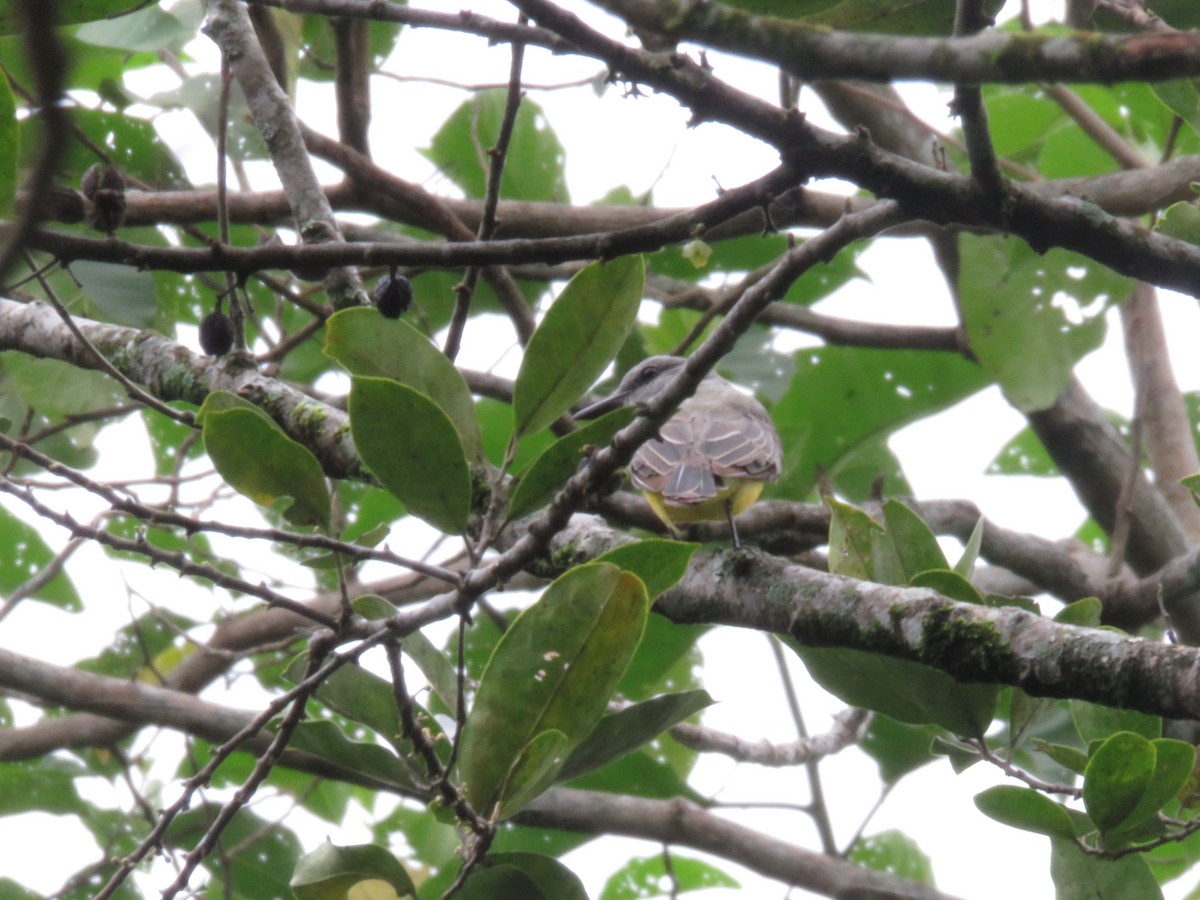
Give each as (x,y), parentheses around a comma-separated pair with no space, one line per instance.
(640,385)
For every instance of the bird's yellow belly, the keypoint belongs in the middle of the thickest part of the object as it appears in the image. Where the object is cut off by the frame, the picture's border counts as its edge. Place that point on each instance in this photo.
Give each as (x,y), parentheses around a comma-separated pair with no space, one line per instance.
(736,496)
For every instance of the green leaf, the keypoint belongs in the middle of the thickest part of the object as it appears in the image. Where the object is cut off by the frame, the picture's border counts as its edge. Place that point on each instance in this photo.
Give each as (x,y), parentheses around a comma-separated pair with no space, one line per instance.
(1094,722)
(870,470)
(551,878)
(1030,317)
(1067,152)
(14,891)
(535,769)
(1025,808)
(646,772)
(906,691)
(1085,613)
(668,657)
(436,667)
(148,29)
(887,389)
(545,476)
(1128,779)
(1173,764)
(897,747)
(1083,876)
(414,450)
(8,147)
(56,389)
(580,334)
(1116,778)
(359,695)
(916,546)
(487,883)
(533,167)
(659,563)
(1176,13)
(553,670)
(1018,120)
(625,730)
(895,853)
(25,555)
(67,12)
(1181,97)
(44,785)
(966,563)
(149,640)
(517,874)
(253,856)
(1023,455)
(1180,220)
(859,547)
(132,143)
(950,584)
(1070,758)
(258,460)
(327,741)
(329,872)
(365,343)
(647,876)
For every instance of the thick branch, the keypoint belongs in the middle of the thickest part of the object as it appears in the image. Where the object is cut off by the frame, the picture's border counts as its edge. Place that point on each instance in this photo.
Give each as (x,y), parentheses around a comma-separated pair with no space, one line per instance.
(172,372)
(1125,193)
(686,824)
(811,52)
(971,643)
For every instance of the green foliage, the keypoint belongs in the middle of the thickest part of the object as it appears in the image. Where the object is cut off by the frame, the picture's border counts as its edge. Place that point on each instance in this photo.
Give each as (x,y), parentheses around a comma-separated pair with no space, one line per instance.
(648,876)
(1078,875)
(545,476)
(904,552)
(884,389)
(67,12)
(1128,779)
(264,870)
(580,334)
(533,168)
(523,875)
(330,872)
(367,344)
(1017,308)
(257,459)
(1026,809)
(27,554)
(424,467)
(546,685)
(8,148)
(894,852)
(620,732)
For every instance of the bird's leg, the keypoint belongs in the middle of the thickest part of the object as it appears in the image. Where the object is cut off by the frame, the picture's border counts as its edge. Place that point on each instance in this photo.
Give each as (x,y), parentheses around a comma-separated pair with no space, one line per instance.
(737,543)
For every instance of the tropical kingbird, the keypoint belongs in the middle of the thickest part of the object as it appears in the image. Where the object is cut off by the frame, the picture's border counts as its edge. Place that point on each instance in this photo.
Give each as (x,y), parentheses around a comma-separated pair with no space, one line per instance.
(711,459)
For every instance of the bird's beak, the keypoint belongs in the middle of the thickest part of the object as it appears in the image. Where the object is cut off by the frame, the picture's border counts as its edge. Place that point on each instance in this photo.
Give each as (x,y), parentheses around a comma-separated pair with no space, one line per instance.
(600,407)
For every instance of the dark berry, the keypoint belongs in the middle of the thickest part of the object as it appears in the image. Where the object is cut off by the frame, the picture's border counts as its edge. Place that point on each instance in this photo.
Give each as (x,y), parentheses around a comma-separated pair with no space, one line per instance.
(392,295)
(216,334)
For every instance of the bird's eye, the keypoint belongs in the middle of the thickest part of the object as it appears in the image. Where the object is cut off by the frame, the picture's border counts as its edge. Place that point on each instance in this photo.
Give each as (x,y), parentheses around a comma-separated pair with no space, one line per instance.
(649,372)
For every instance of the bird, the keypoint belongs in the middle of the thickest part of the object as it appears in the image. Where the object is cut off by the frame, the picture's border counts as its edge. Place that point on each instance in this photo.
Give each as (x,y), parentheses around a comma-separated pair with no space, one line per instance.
(711,459)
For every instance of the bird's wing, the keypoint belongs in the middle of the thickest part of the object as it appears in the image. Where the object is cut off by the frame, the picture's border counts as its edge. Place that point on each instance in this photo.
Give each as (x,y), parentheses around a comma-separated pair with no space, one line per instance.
(672,465)
(740,445)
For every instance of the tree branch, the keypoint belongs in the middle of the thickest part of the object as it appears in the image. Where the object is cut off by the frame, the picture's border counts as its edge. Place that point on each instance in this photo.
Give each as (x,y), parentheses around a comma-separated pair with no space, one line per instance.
(230,28)
(686,824)
(811,53)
